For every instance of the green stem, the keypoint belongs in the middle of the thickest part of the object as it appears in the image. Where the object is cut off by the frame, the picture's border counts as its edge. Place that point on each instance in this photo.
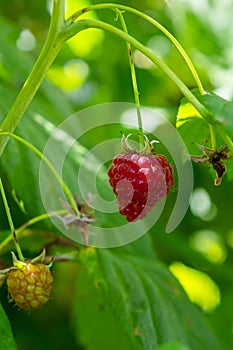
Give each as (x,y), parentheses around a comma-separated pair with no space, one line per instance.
(82,24)
(22,228)
(61,30)
(12,228)
(213,137)
(134,78)
(154,23)
(225,138)
(48,54)
(50,166)
(118,7)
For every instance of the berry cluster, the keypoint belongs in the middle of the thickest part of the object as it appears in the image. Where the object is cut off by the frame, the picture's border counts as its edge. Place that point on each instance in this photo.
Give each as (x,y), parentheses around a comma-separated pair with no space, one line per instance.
(139,181)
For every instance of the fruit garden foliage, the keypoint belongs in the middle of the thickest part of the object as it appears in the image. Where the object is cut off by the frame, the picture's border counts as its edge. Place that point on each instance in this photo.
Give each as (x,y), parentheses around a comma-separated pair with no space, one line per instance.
(144,305)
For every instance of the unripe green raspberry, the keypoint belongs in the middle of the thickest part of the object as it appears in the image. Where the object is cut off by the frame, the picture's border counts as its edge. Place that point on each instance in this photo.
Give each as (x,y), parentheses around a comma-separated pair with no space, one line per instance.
(30,286)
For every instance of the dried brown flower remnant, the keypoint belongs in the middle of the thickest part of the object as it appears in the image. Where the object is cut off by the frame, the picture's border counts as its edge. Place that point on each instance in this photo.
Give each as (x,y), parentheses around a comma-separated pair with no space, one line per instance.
(80,221)
(216,158)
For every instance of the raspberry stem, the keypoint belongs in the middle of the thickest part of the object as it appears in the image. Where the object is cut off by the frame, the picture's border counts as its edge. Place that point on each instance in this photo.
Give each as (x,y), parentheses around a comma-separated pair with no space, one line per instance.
(213,137)
(155,23)
(19,231)
(119,9)
(83,24)
(50,165)
(11,224)
(61,30)
(133,77)
(52,47)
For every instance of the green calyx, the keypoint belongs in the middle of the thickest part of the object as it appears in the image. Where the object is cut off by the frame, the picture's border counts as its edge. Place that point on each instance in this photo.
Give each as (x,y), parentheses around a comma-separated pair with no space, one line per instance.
(18,264)
(147,147)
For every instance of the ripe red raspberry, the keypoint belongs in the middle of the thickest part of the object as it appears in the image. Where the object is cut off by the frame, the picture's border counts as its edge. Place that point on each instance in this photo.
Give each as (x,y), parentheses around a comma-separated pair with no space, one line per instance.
(167,170)
(139,182)
(30,286)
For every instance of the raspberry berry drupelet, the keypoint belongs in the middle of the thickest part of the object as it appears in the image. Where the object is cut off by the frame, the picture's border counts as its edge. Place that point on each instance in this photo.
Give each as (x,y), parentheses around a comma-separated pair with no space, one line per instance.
(29,284)
(140,179)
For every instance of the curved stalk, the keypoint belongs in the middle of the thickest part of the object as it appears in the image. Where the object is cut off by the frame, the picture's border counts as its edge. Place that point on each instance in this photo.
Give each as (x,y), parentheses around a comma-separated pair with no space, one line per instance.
(154,23)
(61,30)
(19,231)
(50,166)
(82,24)
(118,7)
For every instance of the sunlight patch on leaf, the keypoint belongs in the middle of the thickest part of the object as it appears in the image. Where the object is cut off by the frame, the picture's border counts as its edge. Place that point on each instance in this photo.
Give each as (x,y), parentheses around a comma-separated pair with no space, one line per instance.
(74,5)
(200,288)
(195,130)
(186,111)
(192,127)
(88,40)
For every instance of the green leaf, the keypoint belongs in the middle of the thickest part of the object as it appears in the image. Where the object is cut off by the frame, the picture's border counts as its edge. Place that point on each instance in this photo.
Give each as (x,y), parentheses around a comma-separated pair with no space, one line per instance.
(192,127)
(20,168)
(195,130)
(20,165)
(173,346)
(222,110)
(6,336)
(94,324)
(147,301)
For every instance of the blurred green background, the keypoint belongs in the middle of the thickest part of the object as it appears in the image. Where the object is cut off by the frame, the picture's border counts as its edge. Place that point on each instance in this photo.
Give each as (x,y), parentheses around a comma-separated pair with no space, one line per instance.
(92,69)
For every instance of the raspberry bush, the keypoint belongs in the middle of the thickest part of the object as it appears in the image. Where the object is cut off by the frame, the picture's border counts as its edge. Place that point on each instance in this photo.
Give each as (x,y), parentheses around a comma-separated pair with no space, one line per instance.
(159,292)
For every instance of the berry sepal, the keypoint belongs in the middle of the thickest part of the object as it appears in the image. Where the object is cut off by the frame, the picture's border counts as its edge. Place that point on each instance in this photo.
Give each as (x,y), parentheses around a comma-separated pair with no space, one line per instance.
(146,150)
